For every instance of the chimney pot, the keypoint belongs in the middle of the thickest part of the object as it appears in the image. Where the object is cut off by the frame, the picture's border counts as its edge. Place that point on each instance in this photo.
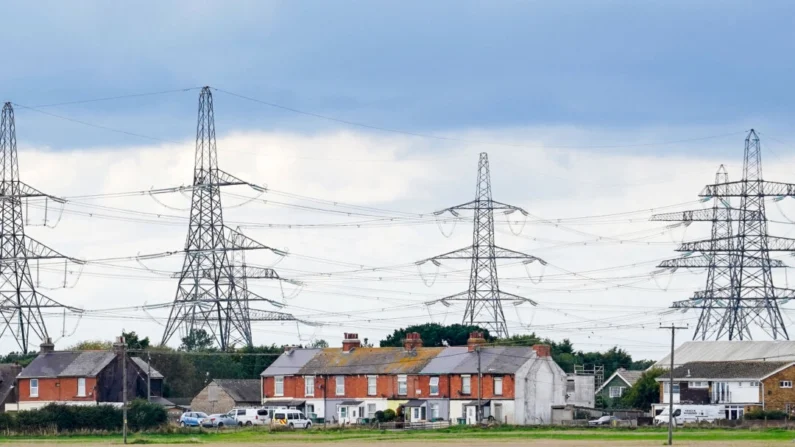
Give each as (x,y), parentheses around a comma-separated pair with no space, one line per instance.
(475,339)
(542,350)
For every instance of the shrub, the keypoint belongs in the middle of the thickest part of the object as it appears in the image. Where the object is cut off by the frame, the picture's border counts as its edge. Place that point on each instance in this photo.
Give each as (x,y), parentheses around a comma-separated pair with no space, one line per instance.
(379,416)
(142,415)
(771,415)
(389,415)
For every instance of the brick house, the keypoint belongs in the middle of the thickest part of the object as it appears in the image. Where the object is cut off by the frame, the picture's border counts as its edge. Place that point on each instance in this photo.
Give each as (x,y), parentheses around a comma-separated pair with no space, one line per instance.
(221,395)
(349,384)
(82,378)
(737,386)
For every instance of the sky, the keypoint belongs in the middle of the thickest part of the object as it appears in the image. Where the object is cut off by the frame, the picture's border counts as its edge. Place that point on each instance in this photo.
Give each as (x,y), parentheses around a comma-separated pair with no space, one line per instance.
(585,109)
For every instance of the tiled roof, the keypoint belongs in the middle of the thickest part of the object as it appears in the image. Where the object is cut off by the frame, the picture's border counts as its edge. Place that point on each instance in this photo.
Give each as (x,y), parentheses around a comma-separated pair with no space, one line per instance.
(449,360)
(146,368)
(331,361)
(8,374)
(725,370)
(630,376)
(290,363)
(68,364)
(241,390)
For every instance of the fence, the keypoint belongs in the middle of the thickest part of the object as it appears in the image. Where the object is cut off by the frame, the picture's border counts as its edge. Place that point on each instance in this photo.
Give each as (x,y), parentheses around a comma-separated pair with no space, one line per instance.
(413,425)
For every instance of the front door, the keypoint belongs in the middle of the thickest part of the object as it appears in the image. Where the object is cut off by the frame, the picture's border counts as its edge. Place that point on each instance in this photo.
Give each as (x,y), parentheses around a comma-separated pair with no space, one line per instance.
(471,415)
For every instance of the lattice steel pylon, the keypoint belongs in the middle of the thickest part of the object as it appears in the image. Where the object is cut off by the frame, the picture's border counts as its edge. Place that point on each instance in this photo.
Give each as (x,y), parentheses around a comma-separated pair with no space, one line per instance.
(213,293)
(747,297)
(484,298)
(21,303)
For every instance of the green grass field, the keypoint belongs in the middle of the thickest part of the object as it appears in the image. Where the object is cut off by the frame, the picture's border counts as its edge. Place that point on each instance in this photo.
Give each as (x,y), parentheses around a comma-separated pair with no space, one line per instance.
(185,436)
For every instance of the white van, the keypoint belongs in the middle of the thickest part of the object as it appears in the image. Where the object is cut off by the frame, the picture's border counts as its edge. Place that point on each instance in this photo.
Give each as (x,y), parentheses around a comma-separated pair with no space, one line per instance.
(688,414)
(250,416)
(290,418)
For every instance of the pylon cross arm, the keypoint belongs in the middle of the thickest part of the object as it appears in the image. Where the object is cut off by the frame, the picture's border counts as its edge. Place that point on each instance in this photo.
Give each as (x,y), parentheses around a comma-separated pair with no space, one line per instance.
(708,215)
(706,261)
(735,189)
(728,244)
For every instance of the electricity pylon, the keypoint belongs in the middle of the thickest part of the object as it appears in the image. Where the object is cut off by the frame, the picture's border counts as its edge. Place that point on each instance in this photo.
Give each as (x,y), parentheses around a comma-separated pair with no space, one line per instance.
(484,298)
(212,294)
(21,303)
(747,297)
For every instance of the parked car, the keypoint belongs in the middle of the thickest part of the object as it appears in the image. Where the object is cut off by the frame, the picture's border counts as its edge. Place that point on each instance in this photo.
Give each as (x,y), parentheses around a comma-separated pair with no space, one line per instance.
(604,420)
(290,418)
(250,416)
(191,419)
(220,420)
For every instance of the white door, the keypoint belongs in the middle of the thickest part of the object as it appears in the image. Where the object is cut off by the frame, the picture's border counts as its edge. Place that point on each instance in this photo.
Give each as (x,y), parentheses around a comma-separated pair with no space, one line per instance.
(471,415)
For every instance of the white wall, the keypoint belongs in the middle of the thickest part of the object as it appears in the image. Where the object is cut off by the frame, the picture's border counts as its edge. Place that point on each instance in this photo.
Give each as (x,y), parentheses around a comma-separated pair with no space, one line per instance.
(540,384)
(508,410)
(743,392)
(34,405)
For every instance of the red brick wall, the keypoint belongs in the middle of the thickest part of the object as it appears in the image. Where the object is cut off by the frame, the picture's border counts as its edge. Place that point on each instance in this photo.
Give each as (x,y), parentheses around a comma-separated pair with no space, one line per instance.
(488,387)
(58,389)
(387,386)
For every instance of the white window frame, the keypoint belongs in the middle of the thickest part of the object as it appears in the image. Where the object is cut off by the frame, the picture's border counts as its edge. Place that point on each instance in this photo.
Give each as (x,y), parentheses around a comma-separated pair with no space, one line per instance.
(371,409)
(403,384)
(616,391)
(278,386)
(785,383)
(433,386)
(34,389)
(339,385)
(700,384)
(498,390)
(372,385)
(667,387)
(309,386)
(755,383)
(81,387)
(466,384)
(434,411)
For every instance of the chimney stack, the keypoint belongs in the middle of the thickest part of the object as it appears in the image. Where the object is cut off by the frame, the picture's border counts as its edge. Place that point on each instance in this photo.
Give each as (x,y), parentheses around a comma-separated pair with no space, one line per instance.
(543,350)
(350,342)
(118,345)
(46,346)
(412,341)
(475,339)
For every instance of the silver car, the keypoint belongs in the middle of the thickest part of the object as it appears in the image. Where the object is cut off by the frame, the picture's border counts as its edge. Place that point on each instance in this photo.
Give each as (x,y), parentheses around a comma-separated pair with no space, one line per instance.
(220,420)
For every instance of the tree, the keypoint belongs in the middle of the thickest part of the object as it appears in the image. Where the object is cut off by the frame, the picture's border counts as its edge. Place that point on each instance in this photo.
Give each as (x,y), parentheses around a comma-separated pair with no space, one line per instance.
(319,344)
(134,342)
(645,391)
(434,334)
(91,345)
(197,340)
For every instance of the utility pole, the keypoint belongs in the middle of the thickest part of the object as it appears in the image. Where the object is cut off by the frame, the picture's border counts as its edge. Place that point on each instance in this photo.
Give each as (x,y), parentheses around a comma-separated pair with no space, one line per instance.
(673,328)
(124,388)
(478,416)
(149,376)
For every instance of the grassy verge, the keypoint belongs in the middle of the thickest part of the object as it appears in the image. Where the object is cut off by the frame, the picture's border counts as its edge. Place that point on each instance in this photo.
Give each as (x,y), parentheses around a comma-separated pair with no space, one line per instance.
(453,433)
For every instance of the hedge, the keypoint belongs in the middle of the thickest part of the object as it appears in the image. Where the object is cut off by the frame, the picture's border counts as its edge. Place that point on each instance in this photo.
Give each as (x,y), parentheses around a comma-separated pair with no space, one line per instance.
(771,415)
(141,415)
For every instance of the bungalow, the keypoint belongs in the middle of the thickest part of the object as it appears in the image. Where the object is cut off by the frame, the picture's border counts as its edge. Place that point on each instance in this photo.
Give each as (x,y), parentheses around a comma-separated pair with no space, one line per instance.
(83,378)
(617,384)
(350,384)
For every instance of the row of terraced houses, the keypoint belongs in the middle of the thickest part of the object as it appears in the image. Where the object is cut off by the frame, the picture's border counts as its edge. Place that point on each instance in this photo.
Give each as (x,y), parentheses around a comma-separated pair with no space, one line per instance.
(514,385)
